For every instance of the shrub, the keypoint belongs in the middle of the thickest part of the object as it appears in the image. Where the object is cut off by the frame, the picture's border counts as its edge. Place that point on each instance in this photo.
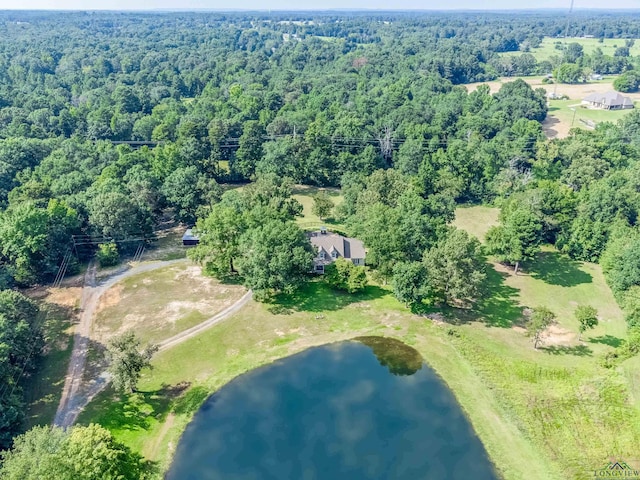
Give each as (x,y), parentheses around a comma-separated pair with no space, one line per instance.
(344,275)
(108,254)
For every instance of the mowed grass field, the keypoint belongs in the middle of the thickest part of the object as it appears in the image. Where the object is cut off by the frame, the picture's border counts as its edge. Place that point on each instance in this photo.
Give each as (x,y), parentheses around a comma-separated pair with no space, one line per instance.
(560,118)
(304,194)
(552,413)
(547,48)
(162,303)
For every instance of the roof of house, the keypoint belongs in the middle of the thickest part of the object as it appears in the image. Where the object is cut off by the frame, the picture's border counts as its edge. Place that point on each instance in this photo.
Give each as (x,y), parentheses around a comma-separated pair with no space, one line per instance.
(344,246)
(189,235)
(609,98)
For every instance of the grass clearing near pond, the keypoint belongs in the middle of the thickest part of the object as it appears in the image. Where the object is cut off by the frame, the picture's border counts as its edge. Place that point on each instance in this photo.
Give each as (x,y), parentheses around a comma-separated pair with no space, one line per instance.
(554,413)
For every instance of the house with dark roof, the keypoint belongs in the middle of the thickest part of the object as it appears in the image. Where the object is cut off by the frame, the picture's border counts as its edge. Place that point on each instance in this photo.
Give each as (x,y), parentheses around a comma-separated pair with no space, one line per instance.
(608,101)
(330,246)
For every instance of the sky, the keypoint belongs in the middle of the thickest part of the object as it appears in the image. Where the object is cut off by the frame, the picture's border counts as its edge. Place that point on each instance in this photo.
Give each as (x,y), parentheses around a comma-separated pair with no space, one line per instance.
(310,4)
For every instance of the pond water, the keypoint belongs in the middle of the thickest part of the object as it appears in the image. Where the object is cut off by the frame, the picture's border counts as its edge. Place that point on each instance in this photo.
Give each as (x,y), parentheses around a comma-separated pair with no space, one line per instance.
(367,409)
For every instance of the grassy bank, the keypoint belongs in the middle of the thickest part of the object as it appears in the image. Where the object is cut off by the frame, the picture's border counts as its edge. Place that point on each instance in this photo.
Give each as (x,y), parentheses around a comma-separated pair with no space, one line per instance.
(43,390)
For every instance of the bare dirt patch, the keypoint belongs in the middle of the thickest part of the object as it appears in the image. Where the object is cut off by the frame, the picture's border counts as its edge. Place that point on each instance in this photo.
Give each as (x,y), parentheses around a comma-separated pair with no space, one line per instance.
(111,297)
(162,303)
(556,335)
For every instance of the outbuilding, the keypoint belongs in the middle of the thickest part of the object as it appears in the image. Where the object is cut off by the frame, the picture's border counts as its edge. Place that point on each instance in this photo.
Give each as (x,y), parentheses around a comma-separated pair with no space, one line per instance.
(189,238)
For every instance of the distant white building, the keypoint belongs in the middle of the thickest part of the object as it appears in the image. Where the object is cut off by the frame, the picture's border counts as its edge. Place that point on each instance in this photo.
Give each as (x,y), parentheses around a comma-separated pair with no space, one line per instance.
(608,101)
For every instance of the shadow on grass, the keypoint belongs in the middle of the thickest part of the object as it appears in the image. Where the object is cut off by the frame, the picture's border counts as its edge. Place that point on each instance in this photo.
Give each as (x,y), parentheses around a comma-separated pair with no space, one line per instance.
(577,350)
(497,307)
(557,269)
(315,296)
(137,410)
(43,389)
(610,340)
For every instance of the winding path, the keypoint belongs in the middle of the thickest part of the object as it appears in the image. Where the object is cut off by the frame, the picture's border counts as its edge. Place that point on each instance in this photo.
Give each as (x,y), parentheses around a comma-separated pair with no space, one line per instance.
(73,398)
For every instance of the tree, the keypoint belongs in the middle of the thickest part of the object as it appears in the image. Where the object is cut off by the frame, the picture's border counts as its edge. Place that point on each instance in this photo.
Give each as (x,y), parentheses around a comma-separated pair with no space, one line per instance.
(186,190)
(517,238)
(126,360)
(108,254)
(587,317)
(628,82)
(455,268)
(114,214)
(21,343)
(219,240)
(322,205)
(344,275)
(541,318)
(573,52)
(275,257)
(409,282)
(568,73)
(80,453)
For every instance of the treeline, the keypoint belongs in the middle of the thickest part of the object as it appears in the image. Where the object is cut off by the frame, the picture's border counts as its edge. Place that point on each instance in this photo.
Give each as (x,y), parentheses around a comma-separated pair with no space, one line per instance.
(21,343)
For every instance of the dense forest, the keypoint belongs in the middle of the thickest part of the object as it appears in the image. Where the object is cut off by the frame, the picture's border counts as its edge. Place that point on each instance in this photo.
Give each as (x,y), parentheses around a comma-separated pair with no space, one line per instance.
(110,122)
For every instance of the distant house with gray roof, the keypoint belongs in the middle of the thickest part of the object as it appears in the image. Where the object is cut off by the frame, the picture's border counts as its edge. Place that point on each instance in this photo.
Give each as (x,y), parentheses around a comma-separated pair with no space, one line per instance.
(608,101)
(330,246)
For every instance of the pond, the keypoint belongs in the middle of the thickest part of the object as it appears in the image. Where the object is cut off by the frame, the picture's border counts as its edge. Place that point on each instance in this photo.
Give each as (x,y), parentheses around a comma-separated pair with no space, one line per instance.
(365,409)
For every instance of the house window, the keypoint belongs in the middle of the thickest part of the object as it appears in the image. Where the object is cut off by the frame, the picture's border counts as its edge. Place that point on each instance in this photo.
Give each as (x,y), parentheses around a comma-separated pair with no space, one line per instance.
(320,268)
(334,254)
(322,255)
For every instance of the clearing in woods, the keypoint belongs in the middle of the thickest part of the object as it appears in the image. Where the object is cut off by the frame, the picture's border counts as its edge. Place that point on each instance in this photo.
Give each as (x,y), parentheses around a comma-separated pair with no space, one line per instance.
(304,194)
(532,409)
(547,48)
(561,117)
(162,303)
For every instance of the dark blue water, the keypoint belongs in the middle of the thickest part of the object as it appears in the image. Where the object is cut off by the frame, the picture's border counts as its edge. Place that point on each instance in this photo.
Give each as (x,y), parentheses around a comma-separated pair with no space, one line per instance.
(332,412)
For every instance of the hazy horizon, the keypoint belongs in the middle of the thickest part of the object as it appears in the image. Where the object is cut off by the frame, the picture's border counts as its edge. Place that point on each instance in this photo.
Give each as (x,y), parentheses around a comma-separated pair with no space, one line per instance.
(306,5)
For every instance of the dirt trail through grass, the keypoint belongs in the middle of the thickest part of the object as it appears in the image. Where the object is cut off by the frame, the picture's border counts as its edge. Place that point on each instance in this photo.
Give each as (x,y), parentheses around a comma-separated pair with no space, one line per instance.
(76,394)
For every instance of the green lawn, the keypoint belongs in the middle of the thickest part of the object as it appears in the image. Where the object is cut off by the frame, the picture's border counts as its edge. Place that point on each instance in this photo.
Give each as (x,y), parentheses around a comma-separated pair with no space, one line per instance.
(547,47)
(476,219)
(304,194)
(554,413)
(571,113)
(44,389)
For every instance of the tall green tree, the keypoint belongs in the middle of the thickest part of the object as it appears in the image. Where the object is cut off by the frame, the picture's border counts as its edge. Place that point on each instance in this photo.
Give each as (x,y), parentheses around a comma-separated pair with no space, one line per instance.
(80,453)
(21,344)
(410,284)
(127,360)
(344,275)
(587,317)
(275,257)
(322,205)
(455,269)
(517,238)
(541,319)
